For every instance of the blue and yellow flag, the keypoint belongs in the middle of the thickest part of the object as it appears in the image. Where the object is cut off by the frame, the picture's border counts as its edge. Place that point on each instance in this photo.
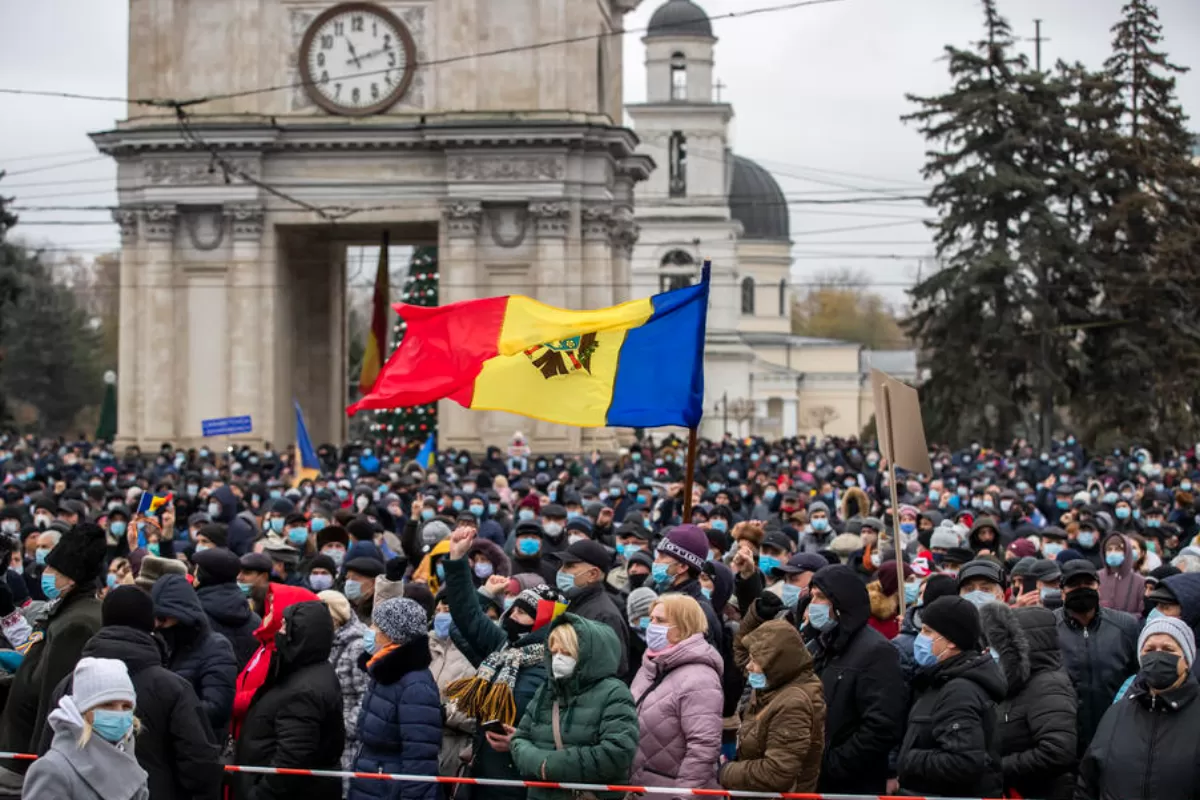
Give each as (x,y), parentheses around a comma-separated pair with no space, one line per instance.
(309,467)
(427,453)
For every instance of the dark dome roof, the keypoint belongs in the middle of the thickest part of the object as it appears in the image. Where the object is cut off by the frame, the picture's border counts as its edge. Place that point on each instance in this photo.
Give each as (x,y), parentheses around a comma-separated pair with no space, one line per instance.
(679,18)
(757,202)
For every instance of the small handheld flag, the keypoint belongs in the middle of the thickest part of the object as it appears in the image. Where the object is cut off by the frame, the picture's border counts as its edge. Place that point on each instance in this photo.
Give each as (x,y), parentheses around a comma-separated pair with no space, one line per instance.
(427,453)
(151,503)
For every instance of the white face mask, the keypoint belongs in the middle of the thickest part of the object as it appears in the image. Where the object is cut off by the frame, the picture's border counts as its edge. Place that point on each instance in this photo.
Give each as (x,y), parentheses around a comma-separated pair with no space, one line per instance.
(562,666)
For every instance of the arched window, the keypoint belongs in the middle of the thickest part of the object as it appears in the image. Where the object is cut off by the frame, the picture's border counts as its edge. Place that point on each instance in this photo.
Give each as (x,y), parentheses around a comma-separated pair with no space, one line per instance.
(678,164)
(748,295)
(679,87)
(783,298)
(678,271)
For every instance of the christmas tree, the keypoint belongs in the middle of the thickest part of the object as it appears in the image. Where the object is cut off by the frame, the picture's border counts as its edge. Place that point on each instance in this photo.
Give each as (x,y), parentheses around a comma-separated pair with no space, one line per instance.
(413,425)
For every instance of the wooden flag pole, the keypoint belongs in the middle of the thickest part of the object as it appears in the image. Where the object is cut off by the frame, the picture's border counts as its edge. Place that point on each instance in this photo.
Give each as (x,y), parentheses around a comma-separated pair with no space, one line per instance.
(690,476)
(896,543)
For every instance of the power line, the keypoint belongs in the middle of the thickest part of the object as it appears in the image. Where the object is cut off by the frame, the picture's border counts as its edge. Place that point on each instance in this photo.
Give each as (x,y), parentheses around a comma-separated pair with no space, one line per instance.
(43,156)
(48,167)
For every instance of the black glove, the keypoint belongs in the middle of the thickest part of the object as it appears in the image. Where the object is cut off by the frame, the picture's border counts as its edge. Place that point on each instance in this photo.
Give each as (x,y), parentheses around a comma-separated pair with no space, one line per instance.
(767,606)
(396,568)
(7,606)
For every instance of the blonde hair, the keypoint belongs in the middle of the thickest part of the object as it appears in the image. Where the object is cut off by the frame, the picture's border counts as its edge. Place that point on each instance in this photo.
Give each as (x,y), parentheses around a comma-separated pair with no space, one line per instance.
(338,605)
(565,639)
(85,735)
(684,613)
(499,482)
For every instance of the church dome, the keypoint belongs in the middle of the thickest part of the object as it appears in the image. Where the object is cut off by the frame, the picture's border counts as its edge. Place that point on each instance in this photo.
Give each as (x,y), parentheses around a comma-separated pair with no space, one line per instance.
(756,201)
(679,18)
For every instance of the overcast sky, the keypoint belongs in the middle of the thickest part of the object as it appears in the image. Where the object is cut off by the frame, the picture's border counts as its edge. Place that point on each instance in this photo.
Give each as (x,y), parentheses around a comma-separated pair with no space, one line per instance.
(817,91)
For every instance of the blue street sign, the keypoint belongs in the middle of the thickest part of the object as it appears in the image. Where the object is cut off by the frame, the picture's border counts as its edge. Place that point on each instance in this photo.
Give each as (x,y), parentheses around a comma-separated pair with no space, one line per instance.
(225,426)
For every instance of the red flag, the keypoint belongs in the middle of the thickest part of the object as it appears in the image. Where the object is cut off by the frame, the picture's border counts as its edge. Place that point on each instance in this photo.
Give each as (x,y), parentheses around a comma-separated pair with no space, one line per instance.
(376,352)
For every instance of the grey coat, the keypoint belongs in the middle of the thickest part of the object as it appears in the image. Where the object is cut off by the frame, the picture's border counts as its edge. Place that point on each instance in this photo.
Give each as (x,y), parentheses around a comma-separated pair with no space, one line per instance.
(98,771)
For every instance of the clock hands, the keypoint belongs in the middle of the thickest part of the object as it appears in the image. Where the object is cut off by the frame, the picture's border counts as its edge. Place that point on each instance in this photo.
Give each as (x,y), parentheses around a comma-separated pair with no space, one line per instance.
(369,56)
(353,56)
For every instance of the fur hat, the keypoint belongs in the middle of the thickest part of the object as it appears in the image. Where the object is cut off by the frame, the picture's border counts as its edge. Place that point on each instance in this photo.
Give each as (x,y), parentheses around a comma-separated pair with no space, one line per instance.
(154,568)
(332,534)
(400,619)
(79,554)
(846,544)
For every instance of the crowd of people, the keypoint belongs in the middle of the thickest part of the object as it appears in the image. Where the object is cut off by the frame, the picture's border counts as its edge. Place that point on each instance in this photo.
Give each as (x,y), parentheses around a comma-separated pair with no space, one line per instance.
(1022,624)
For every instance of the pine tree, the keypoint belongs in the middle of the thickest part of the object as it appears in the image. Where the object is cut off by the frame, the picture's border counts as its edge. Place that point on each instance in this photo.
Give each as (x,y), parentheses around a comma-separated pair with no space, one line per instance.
(1144,353)
(416,423)
(985,321)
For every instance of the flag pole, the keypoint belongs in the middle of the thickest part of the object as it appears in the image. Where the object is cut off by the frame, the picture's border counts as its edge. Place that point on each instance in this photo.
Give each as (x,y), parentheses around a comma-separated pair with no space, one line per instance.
(690,478)
(896,543)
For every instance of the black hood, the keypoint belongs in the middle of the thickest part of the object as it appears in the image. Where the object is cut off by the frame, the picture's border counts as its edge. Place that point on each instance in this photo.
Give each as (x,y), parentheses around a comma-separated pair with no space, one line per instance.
(1004,635)
(174,597)
(229,504)
(137,649)
(979,668)
(849,596)
(1186,588)
(1041,631)
(225,603)
(309,636)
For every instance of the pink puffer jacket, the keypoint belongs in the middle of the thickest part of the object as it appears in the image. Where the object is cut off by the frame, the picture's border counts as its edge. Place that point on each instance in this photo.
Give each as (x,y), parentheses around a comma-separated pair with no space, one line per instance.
(680,720)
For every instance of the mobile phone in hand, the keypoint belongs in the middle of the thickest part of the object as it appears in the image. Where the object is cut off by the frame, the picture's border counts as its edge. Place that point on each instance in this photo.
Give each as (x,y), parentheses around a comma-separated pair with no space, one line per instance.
(494,726)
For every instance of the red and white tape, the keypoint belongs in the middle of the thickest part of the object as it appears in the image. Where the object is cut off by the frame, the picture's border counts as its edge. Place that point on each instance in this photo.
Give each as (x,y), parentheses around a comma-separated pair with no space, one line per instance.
(582,787)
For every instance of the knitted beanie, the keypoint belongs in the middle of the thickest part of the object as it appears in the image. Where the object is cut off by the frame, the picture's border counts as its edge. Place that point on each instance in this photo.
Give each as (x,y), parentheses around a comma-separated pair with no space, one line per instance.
(944,537)
(101,680)
(542,603)
(400,619)
(216,532)
(129,606)
(687,544)
(639,603)
(1177,629)
(215,566)
(955,619)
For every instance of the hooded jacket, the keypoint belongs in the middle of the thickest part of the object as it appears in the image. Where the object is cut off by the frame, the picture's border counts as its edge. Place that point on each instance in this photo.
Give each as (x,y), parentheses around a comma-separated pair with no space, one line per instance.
(679,701)
(597,720)
(1122,588)
(782,736)
(295,719)
(1146,747)
(197,654)
(175,746)
(1098,658)
(347,647)
(865,695)
(952,744)
(242,532)
(595,603)
(400,724)
(1038,728)
(494,554)
(231,616)
(99,770)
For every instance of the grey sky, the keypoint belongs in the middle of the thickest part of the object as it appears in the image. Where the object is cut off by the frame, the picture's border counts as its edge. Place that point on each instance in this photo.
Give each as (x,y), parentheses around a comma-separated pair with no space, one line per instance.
(818,91)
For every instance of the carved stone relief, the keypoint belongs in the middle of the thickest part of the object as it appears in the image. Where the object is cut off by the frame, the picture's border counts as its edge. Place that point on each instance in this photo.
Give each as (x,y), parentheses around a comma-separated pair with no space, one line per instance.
(462,217)
(506,168)
(246,220)
(553,217)
(158,222)
(508,224)
(205,227)
(127,219)
(184,172)
(597,221)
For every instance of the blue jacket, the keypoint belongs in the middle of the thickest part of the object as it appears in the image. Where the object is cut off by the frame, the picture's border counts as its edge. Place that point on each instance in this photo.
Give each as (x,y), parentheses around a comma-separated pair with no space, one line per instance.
(400,725)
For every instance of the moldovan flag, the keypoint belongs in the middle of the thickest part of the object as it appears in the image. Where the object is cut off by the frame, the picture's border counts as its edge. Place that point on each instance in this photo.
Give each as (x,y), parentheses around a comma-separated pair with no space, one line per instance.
(377,337)
(309,467)
(639,364)
(151,503)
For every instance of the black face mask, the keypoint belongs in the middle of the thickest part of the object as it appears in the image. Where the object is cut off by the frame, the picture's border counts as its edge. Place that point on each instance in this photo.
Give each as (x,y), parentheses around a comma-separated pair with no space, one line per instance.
(514,629)
(637,581)
(1082,600)
(1160,669)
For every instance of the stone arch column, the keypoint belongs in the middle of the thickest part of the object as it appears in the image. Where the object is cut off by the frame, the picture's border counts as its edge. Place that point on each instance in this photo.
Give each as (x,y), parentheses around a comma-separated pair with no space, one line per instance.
(458,428)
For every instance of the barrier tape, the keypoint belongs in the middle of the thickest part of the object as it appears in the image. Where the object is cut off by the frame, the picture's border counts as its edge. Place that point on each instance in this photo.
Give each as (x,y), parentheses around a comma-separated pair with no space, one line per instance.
(582,787)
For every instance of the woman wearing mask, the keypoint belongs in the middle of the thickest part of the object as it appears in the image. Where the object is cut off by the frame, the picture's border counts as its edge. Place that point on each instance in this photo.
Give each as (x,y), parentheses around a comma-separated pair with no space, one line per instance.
(1121,587)
(1148,743)
(581,725)
(91,756)
(449,665)
(679,699)
(400,725)
(951,744)
(348,632)
(782,736)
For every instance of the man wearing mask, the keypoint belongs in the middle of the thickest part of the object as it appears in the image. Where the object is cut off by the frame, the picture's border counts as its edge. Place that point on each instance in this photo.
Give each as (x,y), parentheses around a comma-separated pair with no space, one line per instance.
(1099,645)
(865,693)
(254,579)
(228,612)
(528,551)
(820,532)
(981,582)
(359,587)
(554,522)
(581,580)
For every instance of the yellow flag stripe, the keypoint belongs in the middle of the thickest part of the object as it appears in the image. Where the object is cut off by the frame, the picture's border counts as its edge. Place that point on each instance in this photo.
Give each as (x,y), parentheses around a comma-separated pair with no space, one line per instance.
(528,322)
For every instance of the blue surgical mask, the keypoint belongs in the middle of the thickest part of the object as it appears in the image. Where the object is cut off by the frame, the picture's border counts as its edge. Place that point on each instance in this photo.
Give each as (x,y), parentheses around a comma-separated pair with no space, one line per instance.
(923,650)
(153,548)
(1122,512)
(1051,550)
(820,524)
(908,527)
(276,494)
(353,590)
(277,524)
(493,508)
(661,575)
(476,509)
(111,580)
(245,588)
(49,587)
(1154,614)
(1062,505)
(369,640)
(441,624)
(318,524)
(39,555)
(441,571)
(656,636)
(1114,560)
(911,591)
(770,494)
(428,514)
(336,553)
(456,504)
(525,514)
(298,536)
(719,524)
(529,547)
(980,598)
(757,680)
(112,726)
(1086,540)
(484,570)
(791,595)
(933,495)
(707,592)
(320,583)
(643,500)
(819,616)
(715,486)
(117,528)
(1154,523)
(631,488)
(767,563)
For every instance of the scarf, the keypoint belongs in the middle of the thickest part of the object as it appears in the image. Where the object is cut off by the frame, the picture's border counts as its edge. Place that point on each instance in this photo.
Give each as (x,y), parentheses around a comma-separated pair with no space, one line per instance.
(488,695)
(382,653)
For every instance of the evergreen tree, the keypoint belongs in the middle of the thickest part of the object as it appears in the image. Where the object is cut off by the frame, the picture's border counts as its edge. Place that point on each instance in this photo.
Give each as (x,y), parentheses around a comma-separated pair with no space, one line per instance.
(1143,355)
(986,322)
(416,423)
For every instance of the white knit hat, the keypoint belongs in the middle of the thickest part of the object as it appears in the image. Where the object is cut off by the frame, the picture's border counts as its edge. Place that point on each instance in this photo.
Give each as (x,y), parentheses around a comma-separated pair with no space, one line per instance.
(1177,629)
(101,680)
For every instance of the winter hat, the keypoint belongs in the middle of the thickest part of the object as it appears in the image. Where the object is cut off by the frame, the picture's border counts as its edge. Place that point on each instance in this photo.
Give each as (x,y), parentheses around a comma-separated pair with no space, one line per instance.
(1161,573)
(1045,571)
(154,568)
(326,563)
(846,544)
(79,554)
(944,537)
(1022,548)
(525,580)
(400,619)
(332,534)
(687,544)
(433,532)
(939,586)
(1068,554)
(128,606)
(366,566)
(1023,566)
(215,566)
(391,583)
(101,680)
(1177,629)
(215,532)
(361,530)
(982,568)
(955,619)
(542,603)
(339,606)
(255,562)
(887,577)
(817,506)
(424,598)
(639,603)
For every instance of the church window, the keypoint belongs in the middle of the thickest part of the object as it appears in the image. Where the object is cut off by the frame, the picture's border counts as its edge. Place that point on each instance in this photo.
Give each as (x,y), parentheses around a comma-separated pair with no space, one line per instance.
(678,164)
(679,87)
(783,292)
(678,271)
(748,295)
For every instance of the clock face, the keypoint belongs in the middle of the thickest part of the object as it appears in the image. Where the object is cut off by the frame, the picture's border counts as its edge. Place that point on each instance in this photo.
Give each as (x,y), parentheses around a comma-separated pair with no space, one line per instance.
(357,59)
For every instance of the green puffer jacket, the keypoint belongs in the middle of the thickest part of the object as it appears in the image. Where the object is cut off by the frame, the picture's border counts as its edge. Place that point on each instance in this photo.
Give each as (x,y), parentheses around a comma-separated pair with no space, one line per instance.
(597,718)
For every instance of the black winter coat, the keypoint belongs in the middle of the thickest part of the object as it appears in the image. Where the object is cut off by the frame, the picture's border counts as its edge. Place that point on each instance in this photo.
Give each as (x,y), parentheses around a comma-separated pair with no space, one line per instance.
(295,719)
(1037,731)
(1146,748)
(230,615)
(865,694)
(1098,658)
(952,744)
(175,745)
(594,603)
(197,654)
